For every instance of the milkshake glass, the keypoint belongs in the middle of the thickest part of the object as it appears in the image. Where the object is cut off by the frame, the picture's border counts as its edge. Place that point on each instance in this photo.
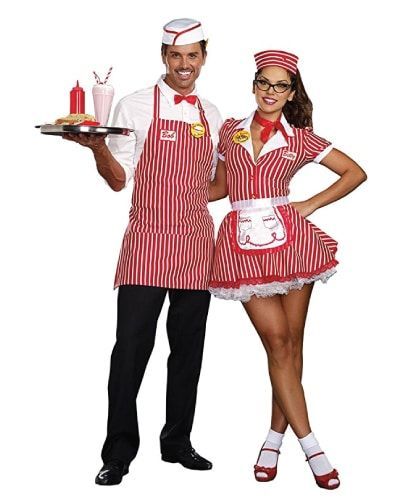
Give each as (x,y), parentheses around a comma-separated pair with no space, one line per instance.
(102,97)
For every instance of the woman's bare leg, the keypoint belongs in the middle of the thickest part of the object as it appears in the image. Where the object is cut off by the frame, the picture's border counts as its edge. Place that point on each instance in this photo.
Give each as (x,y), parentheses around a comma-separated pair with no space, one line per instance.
(295,305)
(271,323)
(281,326)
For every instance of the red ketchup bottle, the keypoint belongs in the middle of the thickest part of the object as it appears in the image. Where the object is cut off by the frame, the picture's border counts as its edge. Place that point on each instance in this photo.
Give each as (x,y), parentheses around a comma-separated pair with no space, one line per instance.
(77,99)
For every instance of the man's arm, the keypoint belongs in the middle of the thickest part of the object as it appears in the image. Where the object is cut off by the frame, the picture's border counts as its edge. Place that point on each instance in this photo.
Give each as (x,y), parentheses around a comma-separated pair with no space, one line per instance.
(107,165)
(218,188)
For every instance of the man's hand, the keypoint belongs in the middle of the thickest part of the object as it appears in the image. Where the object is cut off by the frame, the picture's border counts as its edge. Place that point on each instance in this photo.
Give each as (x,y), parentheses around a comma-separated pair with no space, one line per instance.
(92,141)
(106,164)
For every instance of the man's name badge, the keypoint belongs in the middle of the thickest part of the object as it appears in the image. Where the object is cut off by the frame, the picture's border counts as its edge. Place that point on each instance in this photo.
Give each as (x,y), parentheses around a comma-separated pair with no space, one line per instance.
(241,136)
(197,129)
(168,135)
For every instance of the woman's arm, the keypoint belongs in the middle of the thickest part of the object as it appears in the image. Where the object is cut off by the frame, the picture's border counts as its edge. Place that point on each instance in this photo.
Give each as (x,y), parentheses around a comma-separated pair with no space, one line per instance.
(351,176)
(218,187)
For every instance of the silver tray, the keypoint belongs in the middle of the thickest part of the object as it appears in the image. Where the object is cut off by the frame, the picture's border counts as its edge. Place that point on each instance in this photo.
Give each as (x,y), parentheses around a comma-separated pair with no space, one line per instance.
(81,129)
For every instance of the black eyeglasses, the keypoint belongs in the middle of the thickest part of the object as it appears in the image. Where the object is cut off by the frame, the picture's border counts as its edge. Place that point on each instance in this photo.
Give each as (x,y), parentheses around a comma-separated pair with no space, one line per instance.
(279,88)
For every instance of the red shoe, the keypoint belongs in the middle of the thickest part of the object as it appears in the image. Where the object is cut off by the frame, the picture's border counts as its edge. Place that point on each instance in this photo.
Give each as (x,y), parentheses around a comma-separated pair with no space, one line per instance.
(270,471)
(323,481)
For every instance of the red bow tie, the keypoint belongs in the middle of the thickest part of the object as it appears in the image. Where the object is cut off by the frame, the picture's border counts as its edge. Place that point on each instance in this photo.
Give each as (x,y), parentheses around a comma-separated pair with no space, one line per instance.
(268,127)
(191,99)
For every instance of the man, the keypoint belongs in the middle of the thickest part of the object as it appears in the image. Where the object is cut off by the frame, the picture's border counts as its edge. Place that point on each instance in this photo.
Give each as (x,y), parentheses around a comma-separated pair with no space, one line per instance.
(167,247)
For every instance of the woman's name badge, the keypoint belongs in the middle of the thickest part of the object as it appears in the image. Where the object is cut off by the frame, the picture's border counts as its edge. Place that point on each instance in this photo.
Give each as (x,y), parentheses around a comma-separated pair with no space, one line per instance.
(197,129)
(241,136)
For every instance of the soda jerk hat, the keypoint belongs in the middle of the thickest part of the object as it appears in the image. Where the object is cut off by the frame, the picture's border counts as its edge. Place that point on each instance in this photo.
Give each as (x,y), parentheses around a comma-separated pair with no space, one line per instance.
(182,32)
(276,58)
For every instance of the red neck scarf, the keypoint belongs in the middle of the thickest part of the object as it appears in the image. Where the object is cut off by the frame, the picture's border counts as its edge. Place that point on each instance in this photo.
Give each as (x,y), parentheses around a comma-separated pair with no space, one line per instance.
(269,126)
(191,99)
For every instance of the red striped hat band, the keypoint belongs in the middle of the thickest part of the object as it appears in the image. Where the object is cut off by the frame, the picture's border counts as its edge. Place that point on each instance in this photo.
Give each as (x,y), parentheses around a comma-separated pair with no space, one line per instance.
(279,58)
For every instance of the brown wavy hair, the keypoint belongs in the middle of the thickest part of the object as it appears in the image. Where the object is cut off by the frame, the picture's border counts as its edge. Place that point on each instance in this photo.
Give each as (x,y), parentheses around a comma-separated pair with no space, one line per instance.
(298,112)
(203,46)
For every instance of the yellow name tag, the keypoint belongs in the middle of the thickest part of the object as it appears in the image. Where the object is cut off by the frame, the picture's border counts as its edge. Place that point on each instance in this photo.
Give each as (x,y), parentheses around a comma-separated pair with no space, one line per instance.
(241,136)
(197,129)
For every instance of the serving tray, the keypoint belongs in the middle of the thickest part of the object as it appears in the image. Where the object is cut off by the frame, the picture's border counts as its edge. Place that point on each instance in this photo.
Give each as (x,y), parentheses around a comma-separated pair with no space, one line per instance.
(81,129)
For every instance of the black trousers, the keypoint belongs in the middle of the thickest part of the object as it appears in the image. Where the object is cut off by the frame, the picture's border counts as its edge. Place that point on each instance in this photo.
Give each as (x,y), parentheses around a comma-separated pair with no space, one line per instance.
(138,310)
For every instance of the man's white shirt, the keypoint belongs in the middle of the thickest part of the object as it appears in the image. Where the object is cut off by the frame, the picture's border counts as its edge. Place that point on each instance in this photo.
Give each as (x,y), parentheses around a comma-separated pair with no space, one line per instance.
(135,111)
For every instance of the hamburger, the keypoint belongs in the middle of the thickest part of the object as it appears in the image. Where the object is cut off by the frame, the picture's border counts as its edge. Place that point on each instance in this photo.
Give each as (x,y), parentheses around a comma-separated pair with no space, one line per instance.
(77,119)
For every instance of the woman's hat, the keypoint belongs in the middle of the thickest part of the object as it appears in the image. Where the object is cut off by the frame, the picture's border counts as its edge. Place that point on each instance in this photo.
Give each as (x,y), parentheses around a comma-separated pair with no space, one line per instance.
(182,32)
(276,58)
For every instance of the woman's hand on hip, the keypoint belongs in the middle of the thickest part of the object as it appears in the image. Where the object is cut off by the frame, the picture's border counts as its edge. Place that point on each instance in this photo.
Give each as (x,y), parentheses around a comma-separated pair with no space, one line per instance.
(305,208)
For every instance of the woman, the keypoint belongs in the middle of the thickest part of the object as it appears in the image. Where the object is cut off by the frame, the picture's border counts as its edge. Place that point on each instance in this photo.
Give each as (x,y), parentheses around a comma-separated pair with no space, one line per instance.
(268,254)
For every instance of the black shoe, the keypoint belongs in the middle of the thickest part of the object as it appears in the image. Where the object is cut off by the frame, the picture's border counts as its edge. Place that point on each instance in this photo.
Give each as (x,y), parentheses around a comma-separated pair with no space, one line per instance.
(189,458)
(111,473)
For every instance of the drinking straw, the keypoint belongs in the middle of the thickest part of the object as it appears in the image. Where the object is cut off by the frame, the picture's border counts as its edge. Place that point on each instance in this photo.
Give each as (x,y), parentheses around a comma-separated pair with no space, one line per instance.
(97,78)
(108,75)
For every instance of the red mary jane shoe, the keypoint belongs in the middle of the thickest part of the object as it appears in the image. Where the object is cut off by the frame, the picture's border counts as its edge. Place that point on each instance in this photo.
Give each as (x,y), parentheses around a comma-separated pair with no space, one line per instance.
(323,481)
(270,471)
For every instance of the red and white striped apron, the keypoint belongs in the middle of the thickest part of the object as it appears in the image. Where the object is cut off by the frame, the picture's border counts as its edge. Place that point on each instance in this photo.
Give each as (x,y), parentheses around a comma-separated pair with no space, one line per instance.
(169,240)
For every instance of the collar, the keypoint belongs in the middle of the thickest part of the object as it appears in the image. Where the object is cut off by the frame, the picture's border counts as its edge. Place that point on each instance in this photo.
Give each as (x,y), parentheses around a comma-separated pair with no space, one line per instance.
(169,93)
(286,126)
(277,140)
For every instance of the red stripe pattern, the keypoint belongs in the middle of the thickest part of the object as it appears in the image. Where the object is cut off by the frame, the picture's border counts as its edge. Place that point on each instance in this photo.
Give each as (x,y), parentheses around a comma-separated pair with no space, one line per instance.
(311,252)
(169,238)
(271,174)
(276,58)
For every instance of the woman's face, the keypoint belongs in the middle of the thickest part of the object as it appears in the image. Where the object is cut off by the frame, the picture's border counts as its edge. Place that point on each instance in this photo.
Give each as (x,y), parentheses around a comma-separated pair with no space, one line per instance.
(272,101)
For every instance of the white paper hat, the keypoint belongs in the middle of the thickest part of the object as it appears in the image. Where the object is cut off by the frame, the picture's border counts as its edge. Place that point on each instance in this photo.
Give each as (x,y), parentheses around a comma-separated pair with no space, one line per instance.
(182,32)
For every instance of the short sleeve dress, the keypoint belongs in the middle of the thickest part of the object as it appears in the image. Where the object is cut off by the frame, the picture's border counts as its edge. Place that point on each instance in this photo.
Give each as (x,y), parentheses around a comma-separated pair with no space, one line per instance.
(264,246)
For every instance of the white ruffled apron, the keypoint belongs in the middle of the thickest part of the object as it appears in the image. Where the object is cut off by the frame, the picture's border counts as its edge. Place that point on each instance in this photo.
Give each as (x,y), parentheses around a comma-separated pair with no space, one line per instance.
(259,226)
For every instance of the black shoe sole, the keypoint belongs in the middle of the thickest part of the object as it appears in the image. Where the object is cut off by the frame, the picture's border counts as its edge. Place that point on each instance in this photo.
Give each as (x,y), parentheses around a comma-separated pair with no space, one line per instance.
(107,484)
(176,461)
(98,481)
(168,459)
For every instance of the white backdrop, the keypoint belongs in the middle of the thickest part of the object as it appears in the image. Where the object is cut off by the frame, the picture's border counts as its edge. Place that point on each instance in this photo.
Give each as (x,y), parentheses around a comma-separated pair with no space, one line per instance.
(62,227)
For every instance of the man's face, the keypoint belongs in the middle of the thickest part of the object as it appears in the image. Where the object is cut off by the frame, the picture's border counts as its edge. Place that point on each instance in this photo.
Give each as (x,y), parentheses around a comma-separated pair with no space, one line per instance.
(183,65)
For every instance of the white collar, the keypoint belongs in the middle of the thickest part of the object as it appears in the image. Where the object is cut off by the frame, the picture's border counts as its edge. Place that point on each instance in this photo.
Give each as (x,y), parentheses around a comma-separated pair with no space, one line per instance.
(168,92)
(277,140)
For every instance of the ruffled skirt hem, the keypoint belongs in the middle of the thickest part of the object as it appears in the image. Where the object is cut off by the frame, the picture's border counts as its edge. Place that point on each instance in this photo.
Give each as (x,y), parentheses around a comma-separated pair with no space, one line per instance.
(244,292)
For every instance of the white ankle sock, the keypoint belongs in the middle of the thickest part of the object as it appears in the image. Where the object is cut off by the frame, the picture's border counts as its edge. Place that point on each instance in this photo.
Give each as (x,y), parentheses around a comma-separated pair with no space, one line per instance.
(270,458)
(320,465)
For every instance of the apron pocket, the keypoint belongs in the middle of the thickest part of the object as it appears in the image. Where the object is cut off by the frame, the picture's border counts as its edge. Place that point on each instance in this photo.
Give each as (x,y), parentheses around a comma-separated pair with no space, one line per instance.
(260,230)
